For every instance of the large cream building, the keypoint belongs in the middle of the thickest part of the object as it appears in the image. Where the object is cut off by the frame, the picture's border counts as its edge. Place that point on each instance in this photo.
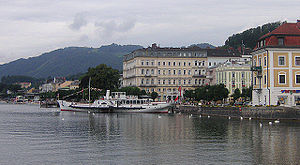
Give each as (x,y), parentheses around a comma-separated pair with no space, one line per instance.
(164,70)
(276,67)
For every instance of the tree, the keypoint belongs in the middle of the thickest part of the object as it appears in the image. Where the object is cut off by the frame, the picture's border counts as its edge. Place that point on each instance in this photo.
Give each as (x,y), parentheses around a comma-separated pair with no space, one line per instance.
(189,94)
(131,91)
(209,93)
(247,93)
(220,92)
(154,95)
(143,92)
(236,94)
(102,77)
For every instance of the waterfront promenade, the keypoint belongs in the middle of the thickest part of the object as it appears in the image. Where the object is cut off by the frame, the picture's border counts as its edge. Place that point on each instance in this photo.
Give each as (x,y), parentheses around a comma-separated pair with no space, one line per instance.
(262,112)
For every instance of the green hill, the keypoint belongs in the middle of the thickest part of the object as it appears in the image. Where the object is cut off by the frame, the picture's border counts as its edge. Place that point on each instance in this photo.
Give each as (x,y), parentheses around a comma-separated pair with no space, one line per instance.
(68,61)
(249,37)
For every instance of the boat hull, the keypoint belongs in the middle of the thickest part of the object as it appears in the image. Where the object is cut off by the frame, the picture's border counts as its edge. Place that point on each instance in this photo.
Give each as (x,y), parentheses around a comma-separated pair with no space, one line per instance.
(163,108)
(70,106)
(146,108)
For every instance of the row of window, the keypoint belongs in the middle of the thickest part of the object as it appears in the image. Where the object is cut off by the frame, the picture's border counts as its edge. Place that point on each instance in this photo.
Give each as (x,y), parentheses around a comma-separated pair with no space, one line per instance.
(173,81)
(196,63)
(163,90)
(281,79)
(281,61)
(233,83)
(174,72)
(181,54)
(210,63)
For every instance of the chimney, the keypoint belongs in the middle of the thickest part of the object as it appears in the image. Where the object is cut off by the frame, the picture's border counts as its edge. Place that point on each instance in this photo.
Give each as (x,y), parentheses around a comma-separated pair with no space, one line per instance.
(154,46)
(298,23)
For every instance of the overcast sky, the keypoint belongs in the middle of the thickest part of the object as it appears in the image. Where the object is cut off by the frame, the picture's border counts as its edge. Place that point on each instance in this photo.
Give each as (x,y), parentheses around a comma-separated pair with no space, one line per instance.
(32,27)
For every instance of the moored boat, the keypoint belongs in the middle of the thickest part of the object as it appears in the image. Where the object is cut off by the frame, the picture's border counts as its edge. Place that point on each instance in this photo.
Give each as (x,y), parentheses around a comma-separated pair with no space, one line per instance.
(96,106)
(119,103)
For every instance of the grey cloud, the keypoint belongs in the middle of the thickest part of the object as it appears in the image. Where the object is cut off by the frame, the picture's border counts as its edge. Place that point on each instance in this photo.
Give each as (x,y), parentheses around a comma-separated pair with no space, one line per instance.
(79,21)
(108,28)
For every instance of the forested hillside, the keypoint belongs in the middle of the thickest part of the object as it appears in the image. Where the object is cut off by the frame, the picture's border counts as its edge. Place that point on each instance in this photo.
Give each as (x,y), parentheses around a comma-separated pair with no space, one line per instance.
(68,61)
(249,37)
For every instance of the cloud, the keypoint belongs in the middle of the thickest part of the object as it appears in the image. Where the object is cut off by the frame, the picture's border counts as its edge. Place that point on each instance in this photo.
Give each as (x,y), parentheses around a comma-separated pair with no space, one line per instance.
(110,27)
(79,21)
(31,27)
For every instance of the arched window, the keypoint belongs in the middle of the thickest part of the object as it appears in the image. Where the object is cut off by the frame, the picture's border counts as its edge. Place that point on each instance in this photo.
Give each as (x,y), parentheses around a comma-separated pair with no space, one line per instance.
(282,78)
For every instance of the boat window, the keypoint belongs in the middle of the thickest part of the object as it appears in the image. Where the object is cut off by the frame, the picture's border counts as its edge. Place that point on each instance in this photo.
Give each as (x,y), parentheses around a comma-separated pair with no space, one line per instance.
(134,102)
(103,103)
(138,102)
(127,102)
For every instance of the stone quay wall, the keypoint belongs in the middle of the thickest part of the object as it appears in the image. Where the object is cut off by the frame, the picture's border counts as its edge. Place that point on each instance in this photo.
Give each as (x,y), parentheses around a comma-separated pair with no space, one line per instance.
(279,112)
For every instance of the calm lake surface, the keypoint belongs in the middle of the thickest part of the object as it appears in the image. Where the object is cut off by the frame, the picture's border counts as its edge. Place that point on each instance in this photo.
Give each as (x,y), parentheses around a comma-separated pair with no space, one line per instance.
(31,135)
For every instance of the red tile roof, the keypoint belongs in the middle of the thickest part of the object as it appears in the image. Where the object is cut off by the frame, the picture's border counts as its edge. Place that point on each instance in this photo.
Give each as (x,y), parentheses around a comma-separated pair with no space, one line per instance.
(290,32)
(285,29)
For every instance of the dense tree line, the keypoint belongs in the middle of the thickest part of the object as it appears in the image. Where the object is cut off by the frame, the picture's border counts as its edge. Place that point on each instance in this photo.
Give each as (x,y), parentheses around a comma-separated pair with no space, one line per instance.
(245,94)
(102,77)
(249,37)
(4,88)
(208,93)
(20,78)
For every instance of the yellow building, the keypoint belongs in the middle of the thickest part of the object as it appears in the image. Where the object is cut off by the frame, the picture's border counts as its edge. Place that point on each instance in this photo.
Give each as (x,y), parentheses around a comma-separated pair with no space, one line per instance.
(276,67)
(234,74)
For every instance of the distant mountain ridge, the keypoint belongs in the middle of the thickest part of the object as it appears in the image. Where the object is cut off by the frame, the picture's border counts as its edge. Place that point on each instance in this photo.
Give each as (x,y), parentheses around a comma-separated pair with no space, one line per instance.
(203,46)
(72,60)
(68,61)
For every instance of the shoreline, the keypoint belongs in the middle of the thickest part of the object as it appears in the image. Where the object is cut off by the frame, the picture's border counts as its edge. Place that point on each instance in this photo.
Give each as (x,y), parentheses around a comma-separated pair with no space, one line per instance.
(261,113)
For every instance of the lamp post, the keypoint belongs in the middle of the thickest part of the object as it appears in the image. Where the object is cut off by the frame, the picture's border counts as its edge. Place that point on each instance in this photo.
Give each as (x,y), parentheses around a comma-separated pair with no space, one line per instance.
(291,99)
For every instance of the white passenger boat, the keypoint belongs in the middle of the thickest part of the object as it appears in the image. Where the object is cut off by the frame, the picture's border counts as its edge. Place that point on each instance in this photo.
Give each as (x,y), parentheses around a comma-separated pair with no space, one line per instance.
(134,104)
(96,106)
(118,102)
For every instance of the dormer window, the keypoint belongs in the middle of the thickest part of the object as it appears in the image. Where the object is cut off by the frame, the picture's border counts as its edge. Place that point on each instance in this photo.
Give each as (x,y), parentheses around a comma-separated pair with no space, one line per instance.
(281,41)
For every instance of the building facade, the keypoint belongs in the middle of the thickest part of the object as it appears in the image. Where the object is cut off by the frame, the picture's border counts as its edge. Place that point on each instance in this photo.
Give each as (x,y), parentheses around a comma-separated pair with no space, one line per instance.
(276,67)
(164,70)
(234,74)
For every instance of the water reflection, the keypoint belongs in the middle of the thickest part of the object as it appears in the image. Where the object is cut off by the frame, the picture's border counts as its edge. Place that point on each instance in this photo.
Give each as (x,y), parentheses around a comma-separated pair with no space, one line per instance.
(30,135)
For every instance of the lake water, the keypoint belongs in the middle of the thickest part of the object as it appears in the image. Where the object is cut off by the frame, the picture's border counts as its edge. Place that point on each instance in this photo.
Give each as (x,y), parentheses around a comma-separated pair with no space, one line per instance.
(30,135)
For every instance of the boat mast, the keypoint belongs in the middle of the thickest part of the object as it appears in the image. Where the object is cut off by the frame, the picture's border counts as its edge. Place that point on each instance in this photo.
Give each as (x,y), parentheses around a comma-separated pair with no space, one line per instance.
(89,89)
